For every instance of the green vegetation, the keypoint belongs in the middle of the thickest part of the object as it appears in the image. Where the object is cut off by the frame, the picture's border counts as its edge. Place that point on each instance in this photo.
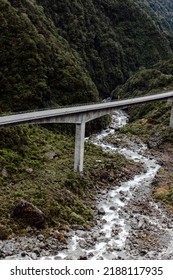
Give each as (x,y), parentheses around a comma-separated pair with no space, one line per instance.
(113,38)
(150,122)
(56,53)
(161,12)
(38,68)
(159,78)
(37,166)
(65,52)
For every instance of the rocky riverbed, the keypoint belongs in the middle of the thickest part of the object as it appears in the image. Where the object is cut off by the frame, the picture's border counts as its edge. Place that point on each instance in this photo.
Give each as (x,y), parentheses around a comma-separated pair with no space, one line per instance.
(129,223)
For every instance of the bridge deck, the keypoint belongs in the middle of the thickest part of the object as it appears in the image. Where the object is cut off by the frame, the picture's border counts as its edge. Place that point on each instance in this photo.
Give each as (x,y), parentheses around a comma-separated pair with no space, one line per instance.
(80,115)
(49,113)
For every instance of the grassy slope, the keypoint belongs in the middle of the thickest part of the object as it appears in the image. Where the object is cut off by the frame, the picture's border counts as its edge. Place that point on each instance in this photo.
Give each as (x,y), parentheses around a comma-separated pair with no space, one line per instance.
(63,196)
(151,121)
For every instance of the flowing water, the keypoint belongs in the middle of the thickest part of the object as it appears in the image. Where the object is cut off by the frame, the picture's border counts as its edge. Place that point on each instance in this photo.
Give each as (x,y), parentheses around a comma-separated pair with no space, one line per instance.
(114,235)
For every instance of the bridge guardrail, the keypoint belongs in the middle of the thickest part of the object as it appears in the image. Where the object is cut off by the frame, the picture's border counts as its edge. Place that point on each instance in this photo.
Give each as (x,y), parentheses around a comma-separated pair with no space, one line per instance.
(48,108)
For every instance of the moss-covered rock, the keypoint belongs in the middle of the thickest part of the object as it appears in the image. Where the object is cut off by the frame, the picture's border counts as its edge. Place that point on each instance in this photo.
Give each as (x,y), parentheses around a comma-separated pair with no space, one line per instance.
(29,214)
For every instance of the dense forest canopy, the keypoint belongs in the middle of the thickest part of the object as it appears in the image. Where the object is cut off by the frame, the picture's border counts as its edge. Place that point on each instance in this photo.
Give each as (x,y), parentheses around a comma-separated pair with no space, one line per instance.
(65,52)
(162,14)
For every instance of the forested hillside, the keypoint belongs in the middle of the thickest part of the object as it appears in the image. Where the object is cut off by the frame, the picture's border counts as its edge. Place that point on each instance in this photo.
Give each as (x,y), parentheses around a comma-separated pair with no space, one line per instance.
(66,52)
(38,68)
(161,12)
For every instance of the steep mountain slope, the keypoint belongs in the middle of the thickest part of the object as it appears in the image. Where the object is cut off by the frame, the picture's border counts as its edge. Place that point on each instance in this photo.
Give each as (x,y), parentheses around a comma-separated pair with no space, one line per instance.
(64,52)
(151,122)
(113,37)
(162,13)
(157,79)
(37,67)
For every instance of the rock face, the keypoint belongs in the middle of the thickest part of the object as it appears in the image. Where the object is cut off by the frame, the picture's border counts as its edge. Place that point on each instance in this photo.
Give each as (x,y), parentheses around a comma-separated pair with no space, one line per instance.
(29,213)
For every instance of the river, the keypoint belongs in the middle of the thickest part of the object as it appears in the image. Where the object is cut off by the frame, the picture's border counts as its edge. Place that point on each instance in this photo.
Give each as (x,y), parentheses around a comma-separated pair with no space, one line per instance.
(130,224)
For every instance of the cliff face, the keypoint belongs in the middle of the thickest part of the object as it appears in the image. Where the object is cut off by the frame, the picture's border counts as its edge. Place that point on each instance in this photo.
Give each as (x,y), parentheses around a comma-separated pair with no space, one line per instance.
(66,52)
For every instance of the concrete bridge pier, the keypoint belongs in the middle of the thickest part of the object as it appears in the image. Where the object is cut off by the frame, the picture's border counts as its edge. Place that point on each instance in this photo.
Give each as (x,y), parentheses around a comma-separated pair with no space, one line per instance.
(79,147)
(171,117)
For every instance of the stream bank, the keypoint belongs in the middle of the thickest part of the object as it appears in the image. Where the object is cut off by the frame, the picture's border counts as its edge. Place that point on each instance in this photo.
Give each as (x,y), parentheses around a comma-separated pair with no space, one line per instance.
(129,224)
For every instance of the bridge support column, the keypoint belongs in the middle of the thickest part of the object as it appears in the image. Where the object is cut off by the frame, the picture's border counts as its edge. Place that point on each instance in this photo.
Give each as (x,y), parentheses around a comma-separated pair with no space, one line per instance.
(79,147)
(171,117)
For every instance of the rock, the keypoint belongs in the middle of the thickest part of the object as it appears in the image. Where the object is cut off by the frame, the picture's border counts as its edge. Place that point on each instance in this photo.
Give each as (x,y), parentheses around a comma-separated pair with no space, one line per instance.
(17,257)
(113,208)
(122,198)
(154,142)
(59,236)
(50,155)
(23,254)
(37,250)
(29,214)
(70,258)
(82,244)
(4,172)
(95,235)
(42,245)
(29,229)
(57,258)
(101,211)
(170,225)
(100,258)
(78,227)
(40,237)
(33,256)
(140,223)
(115,232)
(8,249)
(83,257)
(143,253)
(29,170)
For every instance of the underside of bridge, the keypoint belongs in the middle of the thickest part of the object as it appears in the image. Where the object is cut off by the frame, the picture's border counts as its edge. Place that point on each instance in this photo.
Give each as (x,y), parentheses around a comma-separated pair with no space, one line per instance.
(80,138)
(79,116)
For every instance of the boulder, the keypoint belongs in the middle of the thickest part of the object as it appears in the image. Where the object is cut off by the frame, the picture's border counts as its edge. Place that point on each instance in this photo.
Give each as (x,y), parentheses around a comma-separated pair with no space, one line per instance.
(29,170)
(29,214)
(101,211)
(50,155)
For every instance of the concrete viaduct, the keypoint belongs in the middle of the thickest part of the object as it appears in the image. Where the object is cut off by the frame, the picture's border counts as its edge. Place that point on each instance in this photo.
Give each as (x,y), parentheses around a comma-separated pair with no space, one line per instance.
(79,115)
